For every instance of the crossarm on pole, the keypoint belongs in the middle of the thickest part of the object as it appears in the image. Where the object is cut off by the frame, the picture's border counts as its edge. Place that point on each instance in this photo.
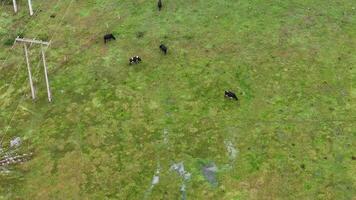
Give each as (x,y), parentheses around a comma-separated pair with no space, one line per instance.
(31,41)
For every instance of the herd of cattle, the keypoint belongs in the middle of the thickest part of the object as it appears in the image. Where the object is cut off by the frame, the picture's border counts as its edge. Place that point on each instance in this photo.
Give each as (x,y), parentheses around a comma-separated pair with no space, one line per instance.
(164,49)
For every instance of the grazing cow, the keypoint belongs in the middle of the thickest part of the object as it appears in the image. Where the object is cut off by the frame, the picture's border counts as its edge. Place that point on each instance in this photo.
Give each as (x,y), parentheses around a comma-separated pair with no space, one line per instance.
(231,95)
(159,4)
(163,48)
(135,60)
(109,37)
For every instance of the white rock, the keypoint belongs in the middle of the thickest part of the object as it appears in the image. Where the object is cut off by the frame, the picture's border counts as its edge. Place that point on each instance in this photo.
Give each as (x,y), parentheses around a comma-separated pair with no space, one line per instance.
(155,180)
(15,142)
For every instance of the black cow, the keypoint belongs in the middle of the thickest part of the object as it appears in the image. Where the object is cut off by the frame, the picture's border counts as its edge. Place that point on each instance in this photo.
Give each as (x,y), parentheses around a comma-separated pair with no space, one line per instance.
(159,4)
(163,48)
(109,37)
(135,60)
(231,95)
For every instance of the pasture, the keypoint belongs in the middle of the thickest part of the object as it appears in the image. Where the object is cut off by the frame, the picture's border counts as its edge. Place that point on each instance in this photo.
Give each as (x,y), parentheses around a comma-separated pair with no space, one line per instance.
(113,128)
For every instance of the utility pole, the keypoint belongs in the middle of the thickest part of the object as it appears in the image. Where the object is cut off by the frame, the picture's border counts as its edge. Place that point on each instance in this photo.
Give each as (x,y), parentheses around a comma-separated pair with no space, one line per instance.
(38,42)
(46,75)
(29,71)
(15,5)
(29,6)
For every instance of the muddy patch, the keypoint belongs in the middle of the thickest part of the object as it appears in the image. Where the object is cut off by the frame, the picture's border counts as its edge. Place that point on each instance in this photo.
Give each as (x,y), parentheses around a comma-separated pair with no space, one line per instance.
(209,171)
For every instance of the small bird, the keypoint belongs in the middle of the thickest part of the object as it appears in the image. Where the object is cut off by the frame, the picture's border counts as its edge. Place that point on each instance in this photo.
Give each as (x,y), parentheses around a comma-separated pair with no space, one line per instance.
(231,95)
(159,4)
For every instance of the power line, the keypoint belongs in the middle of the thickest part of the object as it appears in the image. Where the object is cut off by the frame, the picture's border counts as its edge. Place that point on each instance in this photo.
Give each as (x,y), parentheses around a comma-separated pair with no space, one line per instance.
(296,121)
(29,6)
(13,45)
(25,42)
(13,115)
(18,69)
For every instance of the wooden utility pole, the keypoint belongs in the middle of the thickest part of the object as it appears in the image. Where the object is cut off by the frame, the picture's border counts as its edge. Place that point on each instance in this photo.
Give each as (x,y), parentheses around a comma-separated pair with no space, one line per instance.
(15,5)
(46,75)
(29,71)
(29,6)
(29,41)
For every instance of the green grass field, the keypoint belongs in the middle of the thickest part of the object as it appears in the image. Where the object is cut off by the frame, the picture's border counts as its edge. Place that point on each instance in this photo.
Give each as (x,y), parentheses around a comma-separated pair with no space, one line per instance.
(112,127)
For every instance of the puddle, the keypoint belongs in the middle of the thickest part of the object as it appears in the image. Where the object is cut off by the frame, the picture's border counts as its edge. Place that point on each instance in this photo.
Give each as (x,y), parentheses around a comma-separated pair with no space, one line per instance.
(232,151)
(154,182)
(179,168)
(155,179)
(209,172)
(183,191)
